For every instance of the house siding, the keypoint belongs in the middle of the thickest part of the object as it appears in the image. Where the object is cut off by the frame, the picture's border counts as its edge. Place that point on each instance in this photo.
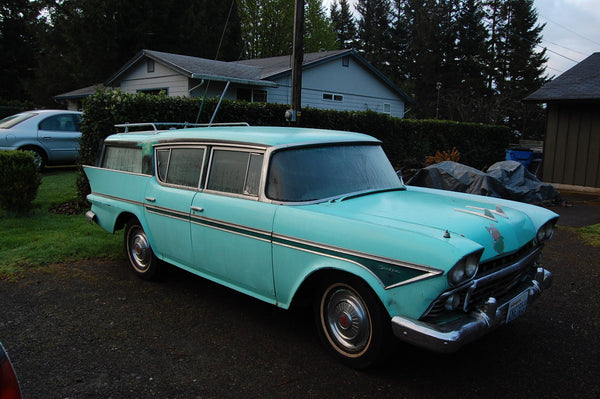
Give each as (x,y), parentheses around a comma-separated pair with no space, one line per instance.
(365,92)
(138,78)
(572,145)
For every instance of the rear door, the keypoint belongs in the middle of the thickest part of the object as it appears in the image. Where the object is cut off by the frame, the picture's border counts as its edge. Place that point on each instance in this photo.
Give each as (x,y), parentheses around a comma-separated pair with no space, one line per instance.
(59,135)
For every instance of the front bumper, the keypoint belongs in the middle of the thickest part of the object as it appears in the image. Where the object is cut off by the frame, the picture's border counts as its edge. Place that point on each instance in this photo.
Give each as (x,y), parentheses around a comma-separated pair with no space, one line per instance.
(449,337)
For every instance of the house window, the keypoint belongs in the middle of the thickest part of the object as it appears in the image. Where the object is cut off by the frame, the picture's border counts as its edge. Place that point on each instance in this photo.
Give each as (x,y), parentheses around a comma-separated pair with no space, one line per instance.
(387,109)
(252,95)
(333,97)
(346,61)
(154,91)
(150,66)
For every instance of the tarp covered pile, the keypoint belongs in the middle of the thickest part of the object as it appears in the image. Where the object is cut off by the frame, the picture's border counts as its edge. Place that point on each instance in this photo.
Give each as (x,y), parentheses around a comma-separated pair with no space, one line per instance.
(506,179)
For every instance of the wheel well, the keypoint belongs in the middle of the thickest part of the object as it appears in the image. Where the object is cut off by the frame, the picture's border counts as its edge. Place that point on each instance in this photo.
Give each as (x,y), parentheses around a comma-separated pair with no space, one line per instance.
(35,148)
(123,219)
(305,294)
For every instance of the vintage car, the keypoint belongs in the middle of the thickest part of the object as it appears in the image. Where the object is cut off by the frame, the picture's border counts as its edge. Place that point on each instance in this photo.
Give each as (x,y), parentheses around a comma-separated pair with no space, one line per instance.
(296,215)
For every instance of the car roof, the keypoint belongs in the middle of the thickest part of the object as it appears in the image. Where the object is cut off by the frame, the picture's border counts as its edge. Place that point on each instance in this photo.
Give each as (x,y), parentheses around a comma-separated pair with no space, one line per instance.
(257,135)
(50,111)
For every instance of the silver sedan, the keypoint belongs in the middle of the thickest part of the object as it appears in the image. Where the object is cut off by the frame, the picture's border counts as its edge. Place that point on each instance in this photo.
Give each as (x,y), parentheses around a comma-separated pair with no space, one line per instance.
(53,135)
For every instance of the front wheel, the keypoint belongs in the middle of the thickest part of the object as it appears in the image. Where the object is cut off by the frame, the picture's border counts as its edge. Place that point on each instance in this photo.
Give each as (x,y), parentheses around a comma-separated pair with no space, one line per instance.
(352,323)
(139,252)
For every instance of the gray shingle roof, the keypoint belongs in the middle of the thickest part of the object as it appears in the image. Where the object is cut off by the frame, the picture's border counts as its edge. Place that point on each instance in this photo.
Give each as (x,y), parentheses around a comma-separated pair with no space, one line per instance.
(580,83)
(276,65)
(198,68)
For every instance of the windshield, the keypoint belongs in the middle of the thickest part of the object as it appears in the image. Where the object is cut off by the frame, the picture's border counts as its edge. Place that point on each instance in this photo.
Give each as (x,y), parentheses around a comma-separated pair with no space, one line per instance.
(13,120)
(314,173)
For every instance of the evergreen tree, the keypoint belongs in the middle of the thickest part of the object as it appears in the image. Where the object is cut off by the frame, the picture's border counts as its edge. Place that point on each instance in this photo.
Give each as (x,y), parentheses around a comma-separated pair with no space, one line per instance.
(375,35)
(518,68)
(18,47)
(469,101)
(344,24)
(268,27)
(318,31)
(85,41)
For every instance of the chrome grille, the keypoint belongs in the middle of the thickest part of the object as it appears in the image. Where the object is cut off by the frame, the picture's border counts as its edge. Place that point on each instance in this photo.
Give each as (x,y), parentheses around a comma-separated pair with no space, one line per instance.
(494,279)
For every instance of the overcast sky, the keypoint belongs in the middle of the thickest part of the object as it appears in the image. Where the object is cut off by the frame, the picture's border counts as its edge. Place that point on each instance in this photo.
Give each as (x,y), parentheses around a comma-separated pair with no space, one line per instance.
(572,31)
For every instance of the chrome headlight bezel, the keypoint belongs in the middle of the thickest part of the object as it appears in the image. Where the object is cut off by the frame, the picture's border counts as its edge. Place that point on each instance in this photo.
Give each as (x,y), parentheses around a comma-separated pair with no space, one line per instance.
(546,231)
(464,270)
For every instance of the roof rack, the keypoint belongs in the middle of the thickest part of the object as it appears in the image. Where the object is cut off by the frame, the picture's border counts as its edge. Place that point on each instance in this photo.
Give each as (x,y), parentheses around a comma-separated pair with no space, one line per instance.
(174,125)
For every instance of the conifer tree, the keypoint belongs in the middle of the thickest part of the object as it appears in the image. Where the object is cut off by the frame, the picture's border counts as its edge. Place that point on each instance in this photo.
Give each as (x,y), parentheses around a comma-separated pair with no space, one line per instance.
(344,24)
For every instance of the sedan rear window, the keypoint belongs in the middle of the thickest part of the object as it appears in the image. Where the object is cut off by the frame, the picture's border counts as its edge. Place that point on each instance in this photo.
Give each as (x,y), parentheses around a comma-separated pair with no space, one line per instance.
(314,173)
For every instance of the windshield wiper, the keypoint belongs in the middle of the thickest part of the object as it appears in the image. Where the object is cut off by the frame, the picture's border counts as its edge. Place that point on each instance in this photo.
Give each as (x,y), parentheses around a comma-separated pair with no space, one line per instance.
(367,192)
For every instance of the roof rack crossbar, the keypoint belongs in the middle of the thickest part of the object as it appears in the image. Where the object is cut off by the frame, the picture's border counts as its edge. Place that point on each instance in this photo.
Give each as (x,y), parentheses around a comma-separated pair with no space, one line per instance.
(155,125)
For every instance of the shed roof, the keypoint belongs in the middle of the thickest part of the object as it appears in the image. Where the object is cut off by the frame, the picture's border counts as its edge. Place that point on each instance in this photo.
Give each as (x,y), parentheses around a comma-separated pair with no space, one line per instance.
(580,83)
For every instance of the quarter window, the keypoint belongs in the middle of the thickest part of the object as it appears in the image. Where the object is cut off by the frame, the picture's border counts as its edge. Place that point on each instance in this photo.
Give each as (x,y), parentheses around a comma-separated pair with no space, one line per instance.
(126,159)
(235,172)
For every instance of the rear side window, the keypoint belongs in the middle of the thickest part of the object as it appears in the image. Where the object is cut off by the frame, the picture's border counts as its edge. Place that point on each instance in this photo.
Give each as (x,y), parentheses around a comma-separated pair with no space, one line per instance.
(235,172)
(180,166)
(126,159)
(61,123)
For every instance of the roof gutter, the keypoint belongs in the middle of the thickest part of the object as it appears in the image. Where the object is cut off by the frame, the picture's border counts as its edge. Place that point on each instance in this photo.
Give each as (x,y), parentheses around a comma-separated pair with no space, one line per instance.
(234,80)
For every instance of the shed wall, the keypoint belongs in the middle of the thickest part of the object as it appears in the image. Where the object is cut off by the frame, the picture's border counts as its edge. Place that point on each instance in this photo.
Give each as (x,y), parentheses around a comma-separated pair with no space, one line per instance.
(572,145)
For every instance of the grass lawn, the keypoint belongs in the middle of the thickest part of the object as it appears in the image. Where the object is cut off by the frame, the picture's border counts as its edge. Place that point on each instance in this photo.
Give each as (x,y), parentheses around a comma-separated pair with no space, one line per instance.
(43,238)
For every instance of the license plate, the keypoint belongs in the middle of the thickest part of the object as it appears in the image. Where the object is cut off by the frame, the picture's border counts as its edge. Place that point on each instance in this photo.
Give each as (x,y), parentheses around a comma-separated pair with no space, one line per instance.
(517,306)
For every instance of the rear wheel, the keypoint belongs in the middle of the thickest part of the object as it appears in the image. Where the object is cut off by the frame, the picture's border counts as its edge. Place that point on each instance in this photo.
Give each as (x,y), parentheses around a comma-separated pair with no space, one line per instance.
(139,252)
(352,323)
(39,157)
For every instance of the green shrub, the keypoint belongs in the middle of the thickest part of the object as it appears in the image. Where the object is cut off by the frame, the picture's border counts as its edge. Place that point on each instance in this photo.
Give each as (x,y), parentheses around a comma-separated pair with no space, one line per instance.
(19,180)
(403,139)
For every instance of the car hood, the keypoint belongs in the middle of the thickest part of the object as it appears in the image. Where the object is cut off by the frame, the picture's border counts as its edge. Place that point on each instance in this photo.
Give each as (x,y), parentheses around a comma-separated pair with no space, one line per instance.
(499,226)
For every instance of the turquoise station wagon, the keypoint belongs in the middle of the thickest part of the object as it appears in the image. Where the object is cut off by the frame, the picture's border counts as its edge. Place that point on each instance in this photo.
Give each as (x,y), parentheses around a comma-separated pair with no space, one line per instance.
(292,215)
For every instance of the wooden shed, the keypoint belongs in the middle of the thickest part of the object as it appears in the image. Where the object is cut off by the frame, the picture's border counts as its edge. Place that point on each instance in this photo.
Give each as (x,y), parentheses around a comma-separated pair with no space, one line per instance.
(572,143)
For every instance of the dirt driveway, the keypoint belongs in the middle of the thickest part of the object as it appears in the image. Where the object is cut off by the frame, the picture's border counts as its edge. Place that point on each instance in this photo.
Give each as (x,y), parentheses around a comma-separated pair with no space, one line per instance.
(93,330)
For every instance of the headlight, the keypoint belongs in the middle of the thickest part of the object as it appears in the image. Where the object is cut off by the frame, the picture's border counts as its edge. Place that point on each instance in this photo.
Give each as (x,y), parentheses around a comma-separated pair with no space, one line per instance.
(545,232)
(464,270)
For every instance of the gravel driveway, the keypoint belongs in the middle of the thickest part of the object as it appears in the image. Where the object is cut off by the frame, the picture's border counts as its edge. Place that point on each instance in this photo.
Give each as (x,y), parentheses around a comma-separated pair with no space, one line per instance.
(94,330)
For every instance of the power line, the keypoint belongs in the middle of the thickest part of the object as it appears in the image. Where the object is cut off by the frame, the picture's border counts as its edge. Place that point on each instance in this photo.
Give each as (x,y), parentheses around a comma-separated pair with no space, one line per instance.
(569,29)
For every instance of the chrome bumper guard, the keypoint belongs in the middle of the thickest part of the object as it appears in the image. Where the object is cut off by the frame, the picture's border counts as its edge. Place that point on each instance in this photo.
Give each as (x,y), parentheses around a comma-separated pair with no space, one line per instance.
(450,337)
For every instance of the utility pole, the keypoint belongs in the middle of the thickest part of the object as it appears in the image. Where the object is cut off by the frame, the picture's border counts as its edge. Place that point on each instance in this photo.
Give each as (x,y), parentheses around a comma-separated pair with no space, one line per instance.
(293,115)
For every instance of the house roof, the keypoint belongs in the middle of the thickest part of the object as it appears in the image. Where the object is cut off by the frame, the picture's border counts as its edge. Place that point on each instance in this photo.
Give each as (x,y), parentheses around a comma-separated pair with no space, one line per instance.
(81,93)
(275,67)
(257,72)
(580,83)
(198,68)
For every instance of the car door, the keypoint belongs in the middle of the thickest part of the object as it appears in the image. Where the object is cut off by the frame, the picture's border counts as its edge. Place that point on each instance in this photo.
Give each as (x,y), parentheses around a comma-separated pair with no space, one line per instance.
(59,135)
(231,229)
(168,200)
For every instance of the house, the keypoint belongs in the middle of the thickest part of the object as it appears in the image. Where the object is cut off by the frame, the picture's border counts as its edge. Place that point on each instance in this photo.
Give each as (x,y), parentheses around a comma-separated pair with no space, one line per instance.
(340,80)
(572,143)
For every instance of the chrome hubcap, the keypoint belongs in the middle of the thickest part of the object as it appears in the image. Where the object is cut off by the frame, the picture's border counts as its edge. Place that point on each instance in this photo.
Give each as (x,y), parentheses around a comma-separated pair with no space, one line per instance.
(140,251)
(347,320)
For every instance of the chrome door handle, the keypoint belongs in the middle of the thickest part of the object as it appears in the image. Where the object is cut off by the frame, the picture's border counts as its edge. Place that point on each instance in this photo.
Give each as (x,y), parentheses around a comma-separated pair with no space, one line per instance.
(197,209)
(150,199)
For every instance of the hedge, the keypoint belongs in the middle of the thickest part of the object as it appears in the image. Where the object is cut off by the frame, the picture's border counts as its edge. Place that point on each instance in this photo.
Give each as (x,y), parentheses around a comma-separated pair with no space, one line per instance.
(403,139)
(19,180)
